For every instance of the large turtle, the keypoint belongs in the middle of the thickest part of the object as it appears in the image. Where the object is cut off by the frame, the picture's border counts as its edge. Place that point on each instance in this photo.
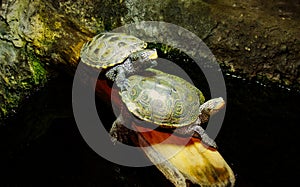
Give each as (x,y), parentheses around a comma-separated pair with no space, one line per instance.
(168,101)
(123,54)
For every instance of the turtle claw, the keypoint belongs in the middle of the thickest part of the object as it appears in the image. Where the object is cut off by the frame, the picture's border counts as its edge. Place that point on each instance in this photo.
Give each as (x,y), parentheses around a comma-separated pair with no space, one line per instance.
(117,137)
(114,140)
(198,132)
(114,134)
(122,82)
(208,141)
(118,132)
(124,85)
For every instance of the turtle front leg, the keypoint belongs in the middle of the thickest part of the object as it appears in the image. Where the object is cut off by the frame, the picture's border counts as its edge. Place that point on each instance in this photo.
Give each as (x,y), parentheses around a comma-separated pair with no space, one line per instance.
(118,75)
(196,128)
(121,80)
(204,136)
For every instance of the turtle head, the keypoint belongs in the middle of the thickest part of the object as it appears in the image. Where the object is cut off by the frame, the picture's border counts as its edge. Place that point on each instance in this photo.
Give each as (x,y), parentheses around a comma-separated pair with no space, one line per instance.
(145,58)
(210,107)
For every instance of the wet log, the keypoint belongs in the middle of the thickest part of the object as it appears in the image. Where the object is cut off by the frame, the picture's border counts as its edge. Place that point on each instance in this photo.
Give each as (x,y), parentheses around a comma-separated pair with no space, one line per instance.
(192,163)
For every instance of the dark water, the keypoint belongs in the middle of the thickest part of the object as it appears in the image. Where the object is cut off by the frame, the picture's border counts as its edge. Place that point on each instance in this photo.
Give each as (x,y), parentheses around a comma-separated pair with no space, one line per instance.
(259,140)
(260,134)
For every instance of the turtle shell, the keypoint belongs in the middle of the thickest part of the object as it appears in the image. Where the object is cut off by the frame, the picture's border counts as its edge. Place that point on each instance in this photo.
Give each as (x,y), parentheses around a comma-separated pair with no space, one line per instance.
(163,99)
(108,49)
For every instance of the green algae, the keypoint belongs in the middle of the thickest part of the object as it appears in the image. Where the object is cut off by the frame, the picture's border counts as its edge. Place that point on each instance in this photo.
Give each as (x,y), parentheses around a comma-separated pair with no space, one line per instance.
(39,73)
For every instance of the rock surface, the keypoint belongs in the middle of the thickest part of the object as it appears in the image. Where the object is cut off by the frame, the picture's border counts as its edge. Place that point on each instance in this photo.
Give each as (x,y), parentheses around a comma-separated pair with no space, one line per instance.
(253,39)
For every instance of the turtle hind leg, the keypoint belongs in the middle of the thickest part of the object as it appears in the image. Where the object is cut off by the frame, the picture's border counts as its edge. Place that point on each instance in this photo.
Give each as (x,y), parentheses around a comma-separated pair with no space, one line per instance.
(119,132)
(116,129)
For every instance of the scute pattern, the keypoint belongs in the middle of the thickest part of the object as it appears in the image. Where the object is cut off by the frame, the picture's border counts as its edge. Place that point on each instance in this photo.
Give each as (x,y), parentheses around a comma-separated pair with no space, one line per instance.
(163,99)
(108,49)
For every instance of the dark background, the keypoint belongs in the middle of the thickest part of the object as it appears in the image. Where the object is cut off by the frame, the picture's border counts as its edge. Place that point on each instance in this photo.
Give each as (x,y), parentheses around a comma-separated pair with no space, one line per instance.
(258,139)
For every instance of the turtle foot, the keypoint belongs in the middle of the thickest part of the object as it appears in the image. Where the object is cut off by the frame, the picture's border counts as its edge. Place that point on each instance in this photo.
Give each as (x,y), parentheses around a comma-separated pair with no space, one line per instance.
(123,84)
(119,133)
(119,137)
(118,75)
(197,131)
(114,137)
(205,139)
(114,133)
(208,141)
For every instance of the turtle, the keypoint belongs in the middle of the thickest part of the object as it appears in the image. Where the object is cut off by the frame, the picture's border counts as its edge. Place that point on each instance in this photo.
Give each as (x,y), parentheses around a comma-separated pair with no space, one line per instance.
(119,54)
(168,101)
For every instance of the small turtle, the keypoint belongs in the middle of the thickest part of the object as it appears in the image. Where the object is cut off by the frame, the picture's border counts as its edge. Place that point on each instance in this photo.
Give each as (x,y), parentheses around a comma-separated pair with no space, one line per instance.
(125,54)
(168,102)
